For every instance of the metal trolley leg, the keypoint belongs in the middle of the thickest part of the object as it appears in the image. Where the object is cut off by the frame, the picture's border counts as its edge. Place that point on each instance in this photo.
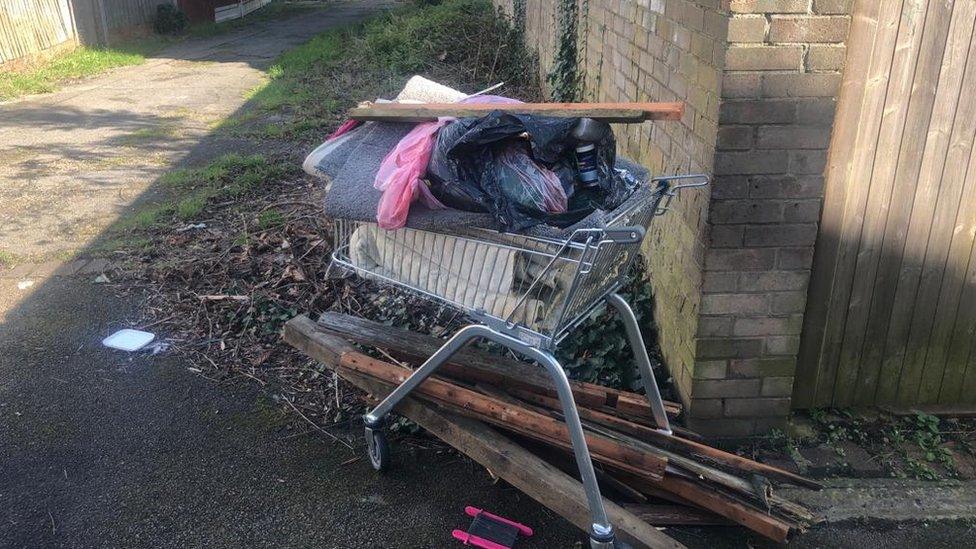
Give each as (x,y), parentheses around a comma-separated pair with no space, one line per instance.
(601,533)
(643,362)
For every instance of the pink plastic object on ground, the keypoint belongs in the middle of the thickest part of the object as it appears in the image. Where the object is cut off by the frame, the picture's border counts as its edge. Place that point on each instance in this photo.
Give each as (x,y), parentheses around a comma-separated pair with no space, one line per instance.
(476,541)
(400,173)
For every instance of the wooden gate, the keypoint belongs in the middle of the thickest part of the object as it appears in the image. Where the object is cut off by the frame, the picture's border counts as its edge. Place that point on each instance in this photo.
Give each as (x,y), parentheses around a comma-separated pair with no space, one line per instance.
(891,315)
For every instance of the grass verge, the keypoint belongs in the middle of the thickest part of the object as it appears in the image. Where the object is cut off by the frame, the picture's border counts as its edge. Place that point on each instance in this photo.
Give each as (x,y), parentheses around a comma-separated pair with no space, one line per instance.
(83,62)
(230,177)
(465,44)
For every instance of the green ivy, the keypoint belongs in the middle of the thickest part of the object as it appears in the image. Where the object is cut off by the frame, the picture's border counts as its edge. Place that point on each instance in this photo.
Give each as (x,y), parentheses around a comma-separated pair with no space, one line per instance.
(599,350)
(518,17)
(564,77)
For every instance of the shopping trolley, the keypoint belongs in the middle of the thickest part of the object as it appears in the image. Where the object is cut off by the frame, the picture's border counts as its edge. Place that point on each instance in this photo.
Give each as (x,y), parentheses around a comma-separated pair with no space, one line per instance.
(524,292)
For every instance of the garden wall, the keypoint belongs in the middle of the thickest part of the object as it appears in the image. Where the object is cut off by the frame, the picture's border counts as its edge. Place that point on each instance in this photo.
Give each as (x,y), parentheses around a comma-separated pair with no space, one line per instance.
(730,266)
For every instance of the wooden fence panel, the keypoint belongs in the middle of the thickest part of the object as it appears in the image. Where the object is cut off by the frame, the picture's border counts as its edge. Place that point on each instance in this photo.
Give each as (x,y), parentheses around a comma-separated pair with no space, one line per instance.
(123,14)
(32,26)
(28,27)
(891,315)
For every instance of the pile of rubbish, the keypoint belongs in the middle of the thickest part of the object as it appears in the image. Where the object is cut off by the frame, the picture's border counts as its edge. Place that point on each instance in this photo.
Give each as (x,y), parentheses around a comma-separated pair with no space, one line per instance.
(504,414)
(502,170)
(434,163)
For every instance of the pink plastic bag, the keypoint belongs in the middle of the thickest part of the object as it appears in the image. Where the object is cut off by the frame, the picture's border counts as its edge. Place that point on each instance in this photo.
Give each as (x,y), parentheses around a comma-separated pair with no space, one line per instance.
(400,173)
(343,128)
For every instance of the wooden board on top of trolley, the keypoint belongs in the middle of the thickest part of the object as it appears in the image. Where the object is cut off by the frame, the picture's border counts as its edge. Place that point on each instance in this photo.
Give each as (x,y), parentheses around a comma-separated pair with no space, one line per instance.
(660,479)
(625,113)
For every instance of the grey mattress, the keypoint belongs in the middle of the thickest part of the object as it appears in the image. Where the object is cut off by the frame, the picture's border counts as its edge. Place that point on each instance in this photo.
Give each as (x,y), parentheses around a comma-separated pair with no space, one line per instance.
(352,167)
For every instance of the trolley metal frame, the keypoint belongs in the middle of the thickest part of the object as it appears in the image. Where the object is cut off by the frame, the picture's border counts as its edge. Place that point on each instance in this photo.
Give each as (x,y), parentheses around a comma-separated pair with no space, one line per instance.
(567,280)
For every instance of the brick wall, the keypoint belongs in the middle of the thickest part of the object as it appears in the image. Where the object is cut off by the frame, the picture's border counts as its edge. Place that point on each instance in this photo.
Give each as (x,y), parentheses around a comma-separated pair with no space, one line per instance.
(729,269)
(655,50)
(782,73)
(664,50)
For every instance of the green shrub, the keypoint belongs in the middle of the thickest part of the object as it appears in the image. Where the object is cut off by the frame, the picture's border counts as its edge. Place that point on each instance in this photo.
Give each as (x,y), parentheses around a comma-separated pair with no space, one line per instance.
(170,19)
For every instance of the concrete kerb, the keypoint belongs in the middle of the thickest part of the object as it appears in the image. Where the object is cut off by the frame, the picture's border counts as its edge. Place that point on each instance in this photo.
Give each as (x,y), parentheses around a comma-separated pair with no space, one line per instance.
(896,500)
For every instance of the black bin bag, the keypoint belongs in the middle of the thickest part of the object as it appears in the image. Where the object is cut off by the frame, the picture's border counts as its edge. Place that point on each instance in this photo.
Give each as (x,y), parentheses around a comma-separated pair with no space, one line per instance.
(465,173)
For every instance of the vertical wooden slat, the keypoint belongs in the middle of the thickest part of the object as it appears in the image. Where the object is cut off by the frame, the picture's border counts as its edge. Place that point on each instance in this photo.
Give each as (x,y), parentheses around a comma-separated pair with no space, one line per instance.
(941,365)
(933,105)
(921,33)
(953,107)
(32,26)
(851,102)
(964,337)
(869,124)
(899,329)
(954,215)
(933,263)
(891,311)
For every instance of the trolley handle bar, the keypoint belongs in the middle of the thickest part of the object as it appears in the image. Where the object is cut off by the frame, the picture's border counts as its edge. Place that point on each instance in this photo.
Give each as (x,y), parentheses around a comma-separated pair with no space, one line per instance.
(672,190)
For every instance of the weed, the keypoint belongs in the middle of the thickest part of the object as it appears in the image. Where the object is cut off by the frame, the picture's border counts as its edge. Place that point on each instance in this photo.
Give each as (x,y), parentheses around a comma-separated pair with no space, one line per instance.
(463,43)
(270,218)
(920,470)
(191,206)
(231,176)
(8,259)
(600,351)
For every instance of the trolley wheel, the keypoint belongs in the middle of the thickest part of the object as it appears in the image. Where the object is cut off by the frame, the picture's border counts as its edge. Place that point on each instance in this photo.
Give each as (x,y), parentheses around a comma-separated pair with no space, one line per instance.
(378,449)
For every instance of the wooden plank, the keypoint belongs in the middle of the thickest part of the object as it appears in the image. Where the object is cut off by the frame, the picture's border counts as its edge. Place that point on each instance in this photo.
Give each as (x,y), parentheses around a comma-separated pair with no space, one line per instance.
(964,338)
(956,315)
(921,147)
(709,499)
(841,266)
(660,514)
(29,27)
(503,458)
(919,47)
(940,376)
(477,365)
(609,112)
(850,105)
(690,448)
(932,268)
(523,421)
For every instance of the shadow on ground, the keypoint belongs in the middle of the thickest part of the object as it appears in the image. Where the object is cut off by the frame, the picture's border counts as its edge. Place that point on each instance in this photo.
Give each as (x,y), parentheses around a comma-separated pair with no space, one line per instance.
(100,448)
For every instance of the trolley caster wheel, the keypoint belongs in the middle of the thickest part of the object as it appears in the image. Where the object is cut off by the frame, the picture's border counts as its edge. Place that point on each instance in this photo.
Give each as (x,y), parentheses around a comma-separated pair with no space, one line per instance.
(378,449)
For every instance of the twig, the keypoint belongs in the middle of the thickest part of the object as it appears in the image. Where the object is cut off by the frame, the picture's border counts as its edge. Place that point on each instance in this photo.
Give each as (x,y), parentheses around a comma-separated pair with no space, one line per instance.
(317,428)
(224,298)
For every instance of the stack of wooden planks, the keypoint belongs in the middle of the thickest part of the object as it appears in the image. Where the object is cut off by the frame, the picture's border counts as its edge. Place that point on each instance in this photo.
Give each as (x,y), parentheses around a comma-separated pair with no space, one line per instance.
(504,414)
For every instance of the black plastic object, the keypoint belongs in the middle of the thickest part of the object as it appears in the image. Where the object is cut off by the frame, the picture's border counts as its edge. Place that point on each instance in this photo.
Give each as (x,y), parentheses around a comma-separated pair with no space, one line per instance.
(464,171)
(494,531)
(490,531)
